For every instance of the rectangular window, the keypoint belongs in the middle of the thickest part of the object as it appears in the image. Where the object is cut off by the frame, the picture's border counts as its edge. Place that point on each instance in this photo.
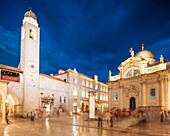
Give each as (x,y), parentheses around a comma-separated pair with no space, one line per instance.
(152,92)
(100,96)
(83,83)
(106,89)
(106,97)
(74,92)
(101,88)
(82,94)
(116,96)
(75,80)
(87,83)
(87,94)
(96,96)
(96,86)
(91,85)
(64,99)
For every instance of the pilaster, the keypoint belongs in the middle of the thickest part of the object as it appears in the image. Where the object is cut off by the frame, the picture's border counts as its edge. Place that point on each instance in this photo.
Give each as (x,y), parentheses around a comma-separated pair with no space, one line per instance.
(144,94)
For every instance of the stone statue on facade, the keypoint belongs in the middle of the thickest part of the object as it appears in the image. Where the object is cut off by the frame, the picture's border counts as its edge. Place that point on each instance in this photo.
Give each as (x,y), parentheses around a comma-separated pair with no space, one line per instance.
(132,52)
(161,59)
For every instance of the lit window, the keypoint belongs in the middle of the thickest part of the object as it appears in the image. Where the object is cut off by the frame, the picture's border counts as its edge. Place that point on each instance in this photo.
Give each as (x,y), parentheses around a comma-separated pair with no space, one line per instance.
(101,88)
(82,94)
(74,92)
(100,96)
(83,82)
(91,85)
(96,96)
(128,74)
(116,96)
(87,83)
(96,86)
(106,89)
(136,72)
(106,97)
(87,94)
(152,93)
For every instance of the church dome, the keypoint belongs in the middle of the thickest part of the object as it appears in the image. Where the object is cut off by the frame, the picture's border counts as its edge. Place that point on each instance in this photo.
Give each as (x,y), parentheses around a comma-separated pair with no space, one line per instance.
(30,14)
(145,54)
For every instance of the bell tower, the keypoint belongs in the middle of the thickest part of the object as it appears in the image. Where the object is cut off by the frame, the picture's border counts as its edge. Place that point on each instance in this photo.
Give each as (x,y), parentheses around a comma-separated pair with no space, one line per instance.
(29,61)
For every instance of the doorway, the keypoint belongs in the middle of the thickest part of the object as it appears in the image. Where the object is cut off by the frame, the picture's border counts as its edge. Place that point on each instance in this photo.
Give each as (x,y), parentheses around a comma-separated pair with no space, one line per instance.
(132,105)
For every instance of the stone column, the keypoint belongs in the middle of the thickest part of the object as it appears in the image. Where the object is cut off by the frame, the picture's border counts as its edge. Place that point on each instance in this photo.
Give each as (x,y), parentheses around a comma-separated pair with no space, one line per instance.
(166,93)
(162,93)
(92,106)
(3,110)
(121,97)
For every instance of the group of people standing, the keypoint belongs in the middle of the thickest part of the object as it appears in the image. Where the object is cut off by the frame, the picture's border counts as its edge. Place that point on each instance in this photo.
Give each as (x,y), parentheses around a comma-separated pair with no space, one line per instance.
(36,115)
(108,117)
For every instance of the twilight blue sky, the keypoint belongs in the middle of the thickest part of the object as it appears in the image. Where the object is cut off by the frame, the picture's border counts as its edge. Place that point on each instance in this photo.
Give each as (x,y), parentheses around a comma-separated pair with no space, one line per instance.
(91,35)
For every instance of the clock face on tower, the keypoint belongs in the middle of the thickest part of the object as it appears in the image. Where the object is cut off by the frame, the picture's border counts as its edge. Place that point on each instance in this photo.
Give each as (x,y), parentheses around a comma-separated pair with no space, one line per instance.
(32,66)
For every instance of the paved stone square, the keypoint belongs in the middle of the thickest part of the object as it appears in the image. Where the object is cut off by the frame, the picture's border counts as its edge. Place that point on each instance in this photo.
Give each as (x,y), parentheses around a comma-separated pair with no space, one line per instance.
(78,126)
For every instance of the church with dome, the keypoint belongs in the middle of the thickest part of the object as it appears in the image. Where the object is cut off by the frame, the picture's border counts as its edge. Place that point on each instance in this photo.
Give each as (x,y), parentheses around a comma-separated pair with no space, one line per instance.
(141,84)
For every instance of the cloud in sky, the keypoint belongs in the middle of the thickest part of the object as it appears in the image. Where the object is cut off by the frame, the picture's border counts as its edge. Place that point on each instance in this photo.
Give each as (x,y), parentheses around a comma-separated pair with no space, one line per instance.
(93,36)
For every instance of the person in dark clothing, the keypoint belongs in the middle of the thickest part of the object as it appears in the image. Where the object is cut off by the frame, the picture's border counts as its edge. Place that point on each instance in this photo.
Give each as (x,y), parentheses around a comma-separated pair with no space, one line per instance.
(32,115)
(100,114)
(7,120)
(111,118)
(162,115)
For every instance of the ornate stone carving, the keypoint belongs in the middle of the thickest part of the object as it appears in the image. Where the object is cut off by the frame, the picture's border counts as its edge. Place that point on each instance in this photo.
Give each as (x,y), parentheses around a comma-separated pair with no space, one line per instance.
(132,89)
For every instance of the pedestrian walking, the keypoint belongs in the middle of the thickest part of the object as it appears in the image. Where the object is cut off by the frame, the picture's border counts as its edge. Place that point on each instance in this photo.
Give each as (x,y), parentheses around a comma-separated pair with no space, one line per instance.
(32,115)
(166,115)
(40,116)
(100,115)
(162,115)
(37,115)
(7,120)
(107,117)
(111,118)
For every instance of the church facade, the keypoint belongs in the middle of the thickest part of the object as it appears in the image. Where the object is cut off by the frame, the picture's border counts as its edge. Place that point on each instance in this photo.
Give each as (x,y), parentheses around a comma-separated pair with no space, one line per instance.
(141,83)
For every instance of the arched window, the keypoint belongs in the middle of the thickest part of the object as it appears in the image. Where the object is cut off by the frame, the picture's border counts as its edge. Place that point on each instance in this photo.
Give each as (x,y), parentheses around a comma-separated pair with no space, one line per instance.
(32,34)
(136,72)
(128,74)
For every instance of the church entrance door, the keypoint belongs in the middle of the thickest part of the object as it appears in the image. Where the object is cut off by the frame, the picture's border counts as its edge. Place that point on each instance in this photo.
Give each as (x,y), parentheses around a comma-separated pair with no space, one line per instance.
(132,105)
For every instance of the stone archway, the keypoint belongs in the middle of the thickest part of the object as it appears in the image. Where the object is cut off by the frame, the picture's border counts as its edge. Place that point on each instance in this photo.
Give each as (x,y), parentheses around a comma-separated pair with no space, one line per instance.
(13,108)
(132,103)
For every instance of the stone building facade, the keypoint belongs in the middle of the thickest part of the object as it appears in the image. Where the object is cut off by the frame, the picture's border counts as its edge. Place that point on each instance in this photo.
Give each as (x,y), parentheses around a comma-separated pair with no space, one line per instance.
(80,87)
(25,89)
(141,83)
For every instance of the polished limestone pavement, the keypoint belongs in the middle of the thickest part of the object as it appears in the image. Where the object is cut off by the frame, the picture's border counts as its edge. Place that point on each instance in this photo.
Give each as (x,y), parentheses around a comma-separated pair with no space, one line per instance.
(78,126)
